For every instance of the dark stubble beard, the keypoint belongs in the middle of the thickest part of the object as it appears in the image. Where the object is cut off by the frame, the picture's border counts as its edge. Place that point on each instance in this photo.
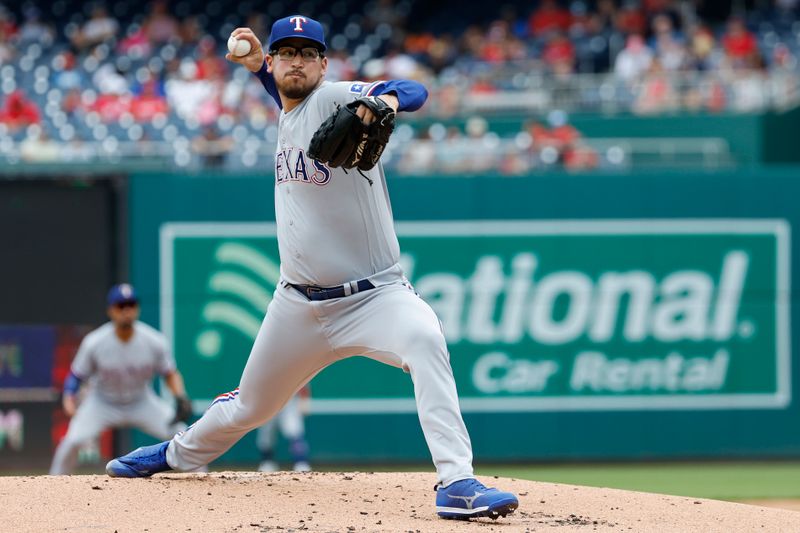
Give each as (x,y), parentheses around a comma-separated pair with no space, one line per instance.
(296,91)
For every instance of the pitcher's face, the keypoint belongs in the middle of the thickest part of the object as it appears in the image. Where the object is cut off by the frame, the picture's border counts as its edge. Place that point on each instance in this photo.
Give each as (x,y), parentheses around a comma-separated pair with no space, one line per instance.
(297,66)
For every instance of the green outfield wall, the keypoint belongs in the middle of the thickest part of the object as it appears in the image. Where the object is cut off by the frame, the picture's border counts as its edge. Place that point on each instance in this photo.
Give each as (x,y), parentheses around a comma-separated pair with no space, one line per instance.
(588,317)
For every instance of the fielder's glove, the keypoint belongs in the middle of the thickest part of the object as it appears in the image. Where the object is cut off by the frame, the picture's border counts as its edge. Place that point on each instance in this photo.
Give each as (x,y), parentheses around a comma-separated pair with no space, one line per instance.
(343,140)
(183,409)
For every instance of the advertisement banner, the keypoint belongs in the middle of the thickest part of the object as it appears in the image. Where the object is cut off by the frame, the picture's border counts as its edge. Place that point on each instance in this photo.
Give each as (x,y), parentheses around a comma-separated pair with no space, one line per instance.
(560,315)
(26,356)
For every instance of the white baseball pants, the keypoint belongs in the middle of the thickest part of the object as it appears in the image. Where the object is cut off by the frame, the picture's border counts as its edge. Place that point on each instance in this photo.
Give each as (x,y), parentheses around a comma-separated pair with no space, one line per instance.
(299,338)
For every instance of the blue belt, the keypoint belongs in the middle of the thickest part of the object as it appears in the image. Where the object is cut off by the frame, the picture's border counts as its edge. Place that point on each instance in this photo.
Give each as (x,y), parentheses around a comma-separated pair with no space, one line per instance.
(312,292)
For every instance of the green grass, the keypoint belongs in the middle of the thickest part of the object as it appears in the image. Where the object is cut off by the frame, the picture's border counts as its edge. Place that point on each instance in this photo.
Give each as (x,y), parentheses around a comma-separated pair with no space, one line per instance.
(715,480)
(723,481)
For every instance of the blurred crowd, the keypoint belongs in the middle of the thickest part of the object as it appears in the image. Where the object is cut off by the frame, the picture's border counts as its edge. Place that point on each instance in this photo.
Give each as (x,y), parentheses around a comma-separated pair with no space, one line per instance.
(645,56)
(581,36)
(121,79)
(549,143)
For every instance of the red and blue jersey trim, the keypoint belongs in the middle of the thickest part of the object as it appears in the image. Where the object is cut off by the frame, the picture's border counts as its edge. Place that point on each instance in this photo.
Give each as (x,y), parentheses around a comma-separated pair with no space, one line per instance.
(375,85)
(227,396)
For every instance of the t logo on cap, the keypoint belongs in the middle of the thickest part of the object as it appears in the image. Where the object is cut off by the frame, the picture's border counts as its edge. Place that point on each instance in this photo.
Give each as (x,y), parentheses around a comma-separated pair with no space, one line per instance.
(124,293)
(297,22)
(296,27)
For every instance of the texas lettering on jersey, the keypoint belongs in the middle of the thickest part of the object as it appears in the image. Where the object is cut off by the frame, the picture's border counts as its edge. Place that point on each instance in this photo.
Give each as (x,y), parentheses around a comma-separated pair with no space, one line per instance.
(292,164)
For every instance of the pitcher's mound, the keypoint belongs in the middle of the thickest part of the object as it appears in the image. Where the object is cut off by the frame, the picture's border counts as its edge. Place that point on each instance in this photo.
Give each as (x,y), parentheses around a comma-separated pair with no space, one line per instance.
(348,502)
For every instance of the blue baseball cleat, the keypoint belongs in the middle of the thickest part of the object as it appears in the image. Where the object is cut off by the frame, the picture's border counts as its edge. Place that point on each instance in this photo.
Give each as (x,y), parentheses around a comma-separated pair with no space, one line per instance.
(469,498)
(141,462)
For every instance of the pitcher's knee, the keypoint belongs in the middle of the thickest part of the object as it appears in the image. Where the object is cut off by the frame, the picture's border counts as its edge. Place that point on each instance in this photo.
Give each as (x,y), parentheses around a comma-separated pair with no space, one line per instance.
(249,416)
(243,415)
(427,344)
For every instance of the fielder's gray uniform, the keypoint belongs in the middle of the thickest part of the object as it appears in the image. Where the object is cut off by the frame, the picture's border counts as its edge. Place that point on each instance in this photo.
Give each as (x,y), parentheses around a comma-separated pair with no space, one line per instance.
(334,229)
(120,394)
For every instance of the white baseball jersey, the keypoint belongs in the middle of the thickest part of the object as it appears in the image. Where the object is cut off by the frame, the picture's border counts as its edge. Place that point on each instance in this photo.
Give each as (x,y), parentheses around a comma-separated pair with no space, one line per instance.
(121,372)
(333,226)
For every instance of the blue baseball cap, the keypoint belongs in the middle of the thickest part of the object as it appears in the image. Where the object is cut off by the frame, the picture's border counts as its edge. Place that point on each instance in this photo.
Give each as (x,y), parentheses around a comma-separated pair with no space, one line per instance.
(122,293)
(297,26)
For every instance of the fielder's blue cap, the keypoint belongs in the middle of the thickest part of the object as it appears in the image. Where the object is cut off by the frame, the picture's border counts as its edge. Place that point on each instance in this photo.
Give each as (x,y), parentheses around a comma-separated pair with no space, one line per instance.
(122,293)
(297,26)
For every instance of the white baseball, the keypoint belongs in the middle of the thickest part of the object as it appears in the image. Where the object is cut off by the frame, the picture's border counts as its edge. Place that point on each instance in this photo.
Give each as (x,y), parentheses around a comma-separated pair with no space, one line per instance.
(238,47)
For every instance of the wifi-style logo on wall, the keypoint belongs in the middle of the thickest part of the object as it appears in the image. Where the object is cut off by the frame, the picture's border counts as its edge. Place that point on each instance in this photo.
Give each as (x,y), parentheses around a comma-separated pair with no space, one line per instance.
(216,282)
(239,289)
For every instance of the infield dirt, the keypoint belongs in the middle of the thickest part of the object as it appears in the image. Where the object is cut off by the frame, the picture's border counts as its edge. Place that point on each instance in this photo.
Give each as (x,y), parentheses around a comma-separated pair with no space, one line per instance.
(356,502)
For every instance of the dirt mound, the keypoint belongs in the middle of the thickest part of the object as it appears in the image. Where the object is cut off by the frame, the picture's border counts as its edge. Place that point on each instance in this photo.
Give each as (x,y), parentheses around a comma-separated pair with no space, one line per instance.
(347,502)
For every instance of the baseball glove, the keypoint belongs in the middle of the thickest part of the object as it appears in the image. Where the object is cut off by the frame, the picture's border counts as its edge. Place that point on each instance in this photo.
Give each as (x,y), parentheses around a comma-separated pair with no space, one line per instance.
(343,140)
(183,409)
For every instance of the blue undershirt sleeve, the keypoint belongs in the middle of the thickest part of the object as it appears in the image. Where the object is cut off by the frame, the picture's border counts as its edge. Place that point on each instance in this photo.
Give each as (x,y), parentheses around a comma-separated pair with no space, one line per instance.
(72,384)
(411,94)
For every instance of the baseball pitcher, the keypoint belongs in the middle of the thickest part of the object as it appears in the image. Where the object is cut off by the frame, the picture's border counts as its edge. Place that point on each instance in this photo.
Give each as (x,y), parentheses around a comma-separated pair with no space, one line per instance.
(342,292)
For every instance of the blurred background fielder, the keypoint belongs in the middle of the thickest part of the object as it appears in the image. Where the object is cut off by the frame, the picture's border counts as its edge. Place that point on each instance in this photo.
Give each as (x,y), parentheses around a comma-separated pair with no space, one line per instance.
(118,362)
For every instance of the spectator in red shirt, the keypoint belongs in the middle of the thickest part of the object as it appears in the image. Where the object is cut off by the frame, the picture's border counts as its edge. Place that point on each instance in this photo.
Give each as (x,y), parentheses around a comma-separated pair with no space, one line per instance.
(548,18)
(8,29)
(149,102)
(559,135)
(210,65)
(740,45)
(563,141)
(630,19)
(482,84)
(418,43)
(656,6)
(19,112)
(492,52)
(559,54)
(136,43)
(540,135)
(111,106)
(494,43)
(575,154)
